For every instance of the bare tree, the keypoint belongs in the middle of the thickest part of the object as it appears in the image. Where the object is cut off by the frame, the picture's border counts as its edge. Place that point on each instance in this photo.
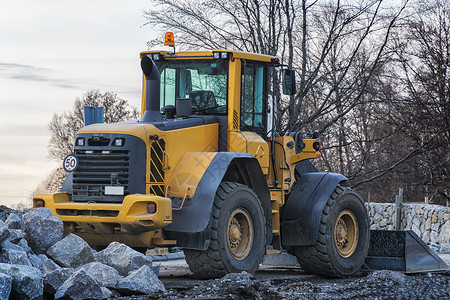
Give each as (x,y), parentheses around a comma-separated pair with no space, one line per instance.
(367,69)
(423,52)
(63,127)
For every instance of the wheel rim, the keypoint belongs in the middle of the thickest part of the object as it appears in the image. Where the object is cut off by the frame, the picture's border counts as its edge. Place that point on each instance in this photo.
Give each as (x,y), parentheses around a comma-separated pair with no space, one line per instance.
(240,233)
(346,233)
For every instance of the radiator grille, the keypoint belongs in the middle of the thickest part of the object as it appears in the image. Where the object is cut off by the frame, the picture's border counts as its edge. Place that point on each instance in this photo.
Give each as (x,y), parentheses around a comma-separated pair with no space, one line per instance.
(97,169)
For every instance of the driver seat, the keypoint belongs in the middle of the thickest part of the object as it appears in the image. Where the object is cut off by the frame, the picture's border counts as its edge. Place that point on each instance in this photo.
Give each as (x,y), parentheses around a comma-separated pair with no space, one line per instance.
(203,99)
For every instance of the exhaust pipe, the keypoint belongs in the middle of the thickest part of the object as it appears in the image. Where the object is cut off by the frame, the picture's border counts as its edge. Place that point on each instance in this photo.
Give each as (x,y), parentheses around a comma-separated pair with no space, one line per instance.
(152,96)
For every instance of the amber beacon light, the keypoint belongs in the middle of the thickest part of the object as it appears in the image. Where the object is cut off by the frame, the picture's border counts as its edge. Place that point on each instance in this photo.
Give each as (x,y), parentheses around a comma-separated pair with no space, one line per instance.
(169,39)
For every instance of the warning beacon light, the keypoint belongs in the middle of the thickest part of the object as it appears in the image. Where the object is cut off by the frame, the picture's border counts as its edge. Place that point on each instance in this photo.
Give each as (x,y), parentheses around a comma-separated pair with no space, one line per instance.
(169,39)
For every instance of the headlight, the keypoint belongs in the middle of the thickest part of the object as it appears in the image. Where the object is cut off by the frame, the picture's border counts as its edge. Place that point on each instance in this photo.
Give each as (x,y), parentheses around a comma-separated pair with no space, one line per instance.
(222,55)
(119,142)
(151,207)
(80,142)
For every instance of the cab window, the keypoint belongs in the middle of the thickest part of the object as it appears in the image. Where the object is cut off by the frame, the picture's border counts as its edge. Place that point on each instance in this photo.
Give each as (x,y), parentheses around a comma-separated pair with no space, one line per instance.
(253,94)
(205,82)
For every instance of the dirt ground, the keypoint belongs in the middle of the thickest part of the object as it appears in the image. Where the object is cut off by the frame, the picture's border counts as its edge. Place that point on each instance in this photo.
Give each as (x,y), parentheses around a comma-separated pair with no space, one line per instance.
(293,283)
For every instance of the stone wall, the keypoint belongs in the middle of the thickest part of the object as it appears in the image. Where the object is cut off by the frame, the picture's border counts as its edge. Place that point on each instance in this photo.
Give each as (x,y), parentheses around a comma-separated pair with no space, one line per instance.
(429,222)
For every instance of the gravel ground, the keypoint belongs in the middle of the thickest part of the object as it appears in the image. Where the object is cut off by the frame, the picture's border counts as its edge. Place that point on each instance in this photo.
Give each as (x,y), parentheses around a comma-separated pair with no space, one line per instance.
(293,283)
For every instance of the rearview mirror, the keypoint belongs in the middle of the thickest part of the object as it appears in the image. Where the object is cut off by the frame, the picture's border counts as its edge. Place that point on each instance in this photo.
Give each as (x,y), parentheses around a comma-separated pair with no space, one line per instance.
(289,82)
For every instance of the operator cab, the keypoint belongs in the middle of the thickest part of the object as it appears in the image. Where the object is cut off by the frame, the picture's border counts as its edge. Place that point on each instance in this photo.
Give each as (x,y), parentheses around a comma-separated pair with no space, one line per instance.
(204,82)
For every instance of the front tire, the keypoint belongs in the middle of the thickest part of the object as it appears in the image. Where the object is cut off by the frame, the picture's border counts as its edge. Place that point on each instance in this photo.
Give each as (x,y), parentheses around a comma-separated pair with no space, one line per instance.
(237,234)
(343,239)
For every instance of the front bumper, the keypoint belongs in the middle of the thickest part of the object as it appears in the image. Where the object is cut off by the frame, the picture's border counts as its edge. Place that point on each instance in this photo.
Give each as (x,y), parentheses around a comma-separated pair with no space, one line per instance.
(102,223)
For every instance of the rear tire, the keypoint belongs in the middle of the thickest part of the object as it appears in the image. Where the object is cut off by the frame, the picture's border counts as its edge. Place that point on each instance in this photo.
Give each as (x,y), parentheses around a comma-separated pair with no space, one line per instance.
(343,239)
(237,234)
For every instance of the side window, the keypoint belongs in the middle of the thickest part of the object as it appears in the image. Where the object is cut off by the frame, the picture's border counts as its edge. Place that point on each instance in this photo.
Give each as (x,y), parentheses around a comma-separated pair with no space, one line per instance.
(252,97)
(167,91)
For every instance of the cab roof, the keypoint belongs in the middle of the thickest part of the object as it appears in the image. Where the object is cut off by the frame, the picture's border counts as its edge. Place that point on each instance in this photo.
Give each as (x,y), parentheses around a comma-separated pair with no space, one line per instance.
(209,55)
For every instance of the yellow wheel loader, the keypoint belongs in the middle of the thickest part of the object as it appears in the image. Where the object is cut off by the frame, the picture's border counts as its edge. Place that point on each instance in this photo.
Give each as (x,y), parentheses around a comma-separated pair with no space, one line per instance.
(205,170)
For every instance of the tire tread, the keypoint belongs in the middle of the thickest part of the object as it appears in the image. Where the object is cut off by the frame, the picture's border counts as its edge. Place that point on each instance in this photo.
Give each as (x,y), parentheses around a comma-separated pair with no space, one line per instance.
(315,258)
(208,263)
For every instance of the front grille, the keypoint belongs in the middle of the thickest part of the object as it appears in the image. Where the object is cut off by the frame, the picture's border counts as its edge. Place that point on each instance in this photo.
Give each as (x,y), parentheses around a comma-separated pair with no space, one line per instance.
(86,212)
(97,169)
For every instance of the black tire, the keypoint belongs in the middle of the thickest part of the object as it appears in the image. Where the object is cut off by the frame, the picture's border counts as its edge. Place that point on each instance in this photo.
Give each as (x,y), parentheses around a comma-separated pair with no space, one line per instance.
(232,201)
(331,256)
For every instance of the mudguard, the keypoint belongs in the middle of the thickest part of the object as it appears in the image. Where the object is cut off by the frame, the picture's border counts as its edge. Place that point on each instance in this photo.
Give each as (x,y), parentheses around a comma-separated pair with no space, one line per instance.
(304,207)
(191,225)
(67,185)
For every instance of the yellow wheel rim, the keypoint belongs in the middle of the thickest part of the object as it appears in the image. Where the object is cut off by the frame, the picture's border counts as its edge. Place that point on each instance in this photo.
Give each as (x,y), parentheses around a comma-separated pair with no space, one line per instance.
(346,233)
(240,234)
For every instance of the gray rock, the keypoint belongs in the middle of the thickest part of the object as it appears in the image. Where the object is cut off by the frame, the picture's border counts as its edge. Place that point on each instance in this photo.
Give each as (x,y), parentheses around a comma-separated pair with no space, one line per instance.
(435,227)
(428,224)
(409,219)
(426,236)
(422,227)
(27,281)
(379,209)
(14,221)
(4,231)
(99,256)
(8,245)
(124,259)
(24,245)
(377,219)
(35,260)
(383,223)
(5,286)
(71,252)
(106,293)
(55,279)
(434,236)
(446,217)
(444,234)
(141,281)
(389,210)
(444,249)
(419,211)
(47,264)
(416,223)
(42,229)
(105,275)
(14,256)
(15,235)
(80,286)
(415,229)
(434,247)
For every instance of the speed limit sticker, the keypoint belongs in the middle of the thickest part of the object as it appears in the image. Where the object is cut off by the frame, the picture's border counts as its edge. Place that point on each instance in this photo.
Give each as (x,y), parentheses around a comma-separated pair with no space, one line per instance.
(70,163)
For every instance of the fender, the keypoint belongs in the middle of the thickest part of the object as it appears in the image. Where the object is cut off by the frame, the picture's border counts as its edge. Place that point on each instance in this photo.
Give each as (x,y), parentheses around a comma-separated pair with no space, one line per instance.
(304,207)
(191,225)
(67,184)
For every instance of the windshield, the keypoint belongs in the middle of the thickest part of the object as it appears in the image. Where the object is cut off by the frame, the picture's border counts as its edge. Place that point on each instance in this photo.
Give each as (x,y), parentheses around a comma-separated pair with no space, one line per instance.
(203,81)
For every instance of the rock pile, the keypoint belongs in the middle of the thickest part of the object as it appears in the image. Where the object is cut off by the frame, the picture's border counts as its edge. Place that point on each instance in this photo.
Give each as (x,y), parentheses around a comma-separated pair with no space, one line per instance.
(35,260)
(429,222)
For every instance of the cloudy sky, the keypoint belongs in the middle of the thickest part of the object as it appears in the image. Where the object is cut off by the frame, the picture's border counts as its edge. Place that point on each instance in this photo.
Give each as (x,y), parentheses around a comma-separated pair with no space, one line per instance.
(50,53)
